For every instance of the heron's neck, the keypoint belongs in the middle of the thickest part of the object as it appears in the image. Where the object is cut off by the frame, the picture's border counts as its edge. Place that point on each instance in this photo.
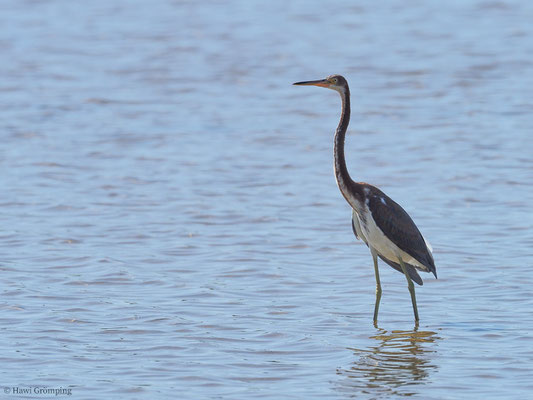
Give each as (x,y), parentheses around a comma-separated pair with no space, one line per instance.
(341,172)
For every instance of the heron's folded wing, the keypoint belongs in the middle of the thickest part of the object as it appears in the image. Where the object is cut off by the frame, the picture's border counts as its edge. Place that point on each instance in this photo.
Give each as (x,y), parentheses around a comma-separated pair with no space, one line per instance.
(394,222)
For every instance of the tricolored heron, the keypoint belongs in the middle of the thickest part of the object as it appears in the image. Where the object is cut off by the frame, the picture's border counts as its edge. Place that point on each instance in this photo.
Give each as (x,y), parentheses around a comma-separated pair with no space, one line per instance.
(379,221)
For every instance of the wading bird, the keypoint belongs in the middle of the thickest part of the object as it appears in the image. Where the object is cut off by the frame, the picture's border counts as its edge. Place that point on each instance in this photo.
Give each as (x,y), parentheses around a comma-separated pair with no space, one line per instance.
(379,221)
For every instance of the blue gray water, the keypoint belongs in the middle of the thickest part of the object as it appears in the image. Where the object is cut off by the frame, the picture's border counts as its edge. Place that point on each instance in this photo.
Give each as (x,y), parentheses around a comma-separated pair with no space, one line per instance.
(171,226)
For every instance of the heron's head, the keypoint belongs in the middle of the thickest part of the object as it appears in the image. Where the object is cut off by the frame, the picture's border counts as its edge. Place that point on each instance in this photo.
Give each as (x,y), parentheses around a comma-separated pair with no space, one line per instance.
(335,82)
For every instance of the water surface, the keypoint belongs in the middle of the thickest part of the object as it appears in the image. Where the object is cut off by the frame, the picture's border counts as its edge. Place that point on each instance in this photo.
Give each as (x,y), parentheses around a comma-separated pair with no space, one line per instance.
(170,220)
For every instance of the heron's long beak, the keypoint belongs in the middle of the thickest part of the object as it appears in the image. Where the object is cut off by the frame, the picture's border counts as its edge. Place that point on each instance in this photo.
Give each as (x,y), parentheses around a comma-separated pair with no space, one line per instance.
(320,82)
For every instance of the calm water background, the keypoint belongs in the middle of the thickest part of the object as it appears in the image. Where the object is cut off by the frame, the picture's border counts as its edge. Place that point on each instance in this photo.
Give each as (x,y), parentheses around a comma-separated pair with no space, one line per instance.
(171,226)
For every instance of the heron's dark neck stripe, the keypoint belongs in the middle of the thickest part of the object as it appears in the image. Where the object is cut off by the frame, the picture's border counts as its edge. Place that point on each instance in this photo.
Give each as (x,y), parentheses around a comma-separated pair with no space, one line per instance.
(347,186)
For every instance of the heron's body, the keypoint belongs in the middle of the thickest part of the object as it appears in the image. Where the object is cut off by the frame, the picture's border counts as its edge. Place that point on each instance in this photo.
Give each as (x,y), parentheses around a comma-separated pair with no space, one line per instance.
(379,213)
(379,221)
(411,270)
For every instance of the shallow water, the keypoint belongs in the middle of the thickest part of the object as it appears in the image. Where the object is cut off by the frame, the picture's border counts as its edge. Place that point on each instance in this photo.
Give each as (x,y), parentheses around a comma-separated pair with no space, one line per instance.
(171,225)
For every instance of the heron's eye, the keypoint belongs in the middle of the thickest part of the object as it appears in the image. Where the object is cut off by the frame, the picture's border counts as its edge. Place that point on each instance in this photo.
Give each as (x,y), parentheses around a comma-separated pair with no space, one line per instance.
(334,80)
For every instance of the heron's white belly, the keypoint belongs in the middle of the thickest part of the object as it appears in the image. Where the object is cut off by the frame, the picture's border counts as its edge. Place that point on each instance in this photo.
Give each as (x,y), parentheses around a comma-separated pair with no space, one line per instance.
(373,236)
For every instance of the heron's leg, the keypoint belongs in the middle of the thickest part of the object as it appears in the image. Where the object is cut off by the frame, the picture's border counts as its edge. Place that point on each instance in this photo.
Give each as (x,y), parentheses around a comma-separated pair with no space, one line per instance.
(411,287)
(378,284)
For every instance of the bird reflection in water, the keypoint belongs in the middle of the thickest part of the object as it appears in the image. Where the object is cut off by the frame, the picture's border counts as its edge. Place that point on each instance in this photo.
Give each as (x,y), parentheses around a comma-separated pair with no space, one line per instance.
(394,364)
